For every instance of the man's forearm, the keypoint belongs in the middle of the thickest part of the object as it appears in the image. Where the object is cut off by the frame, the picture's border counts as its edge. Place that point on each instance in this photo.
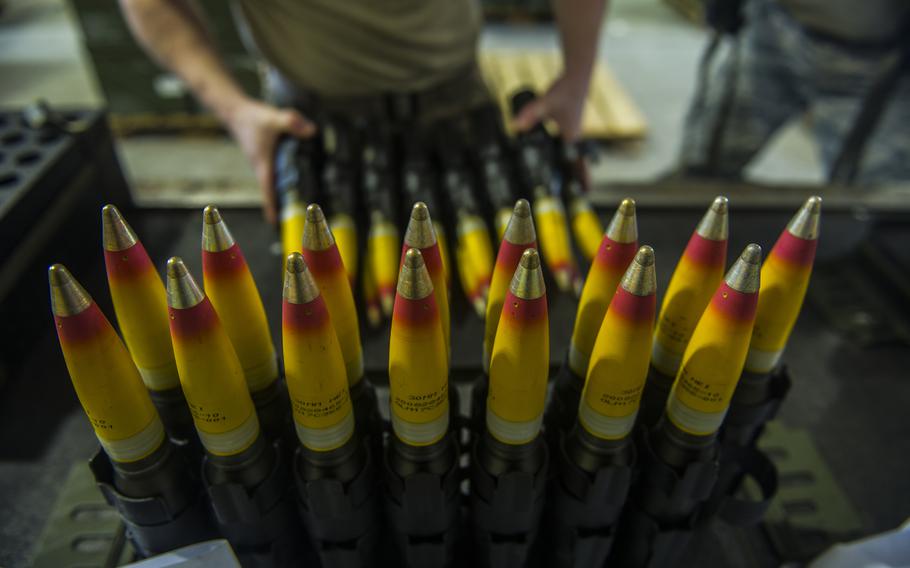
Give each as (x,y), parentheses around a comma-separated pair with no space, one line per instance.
(171,32)
(579,23)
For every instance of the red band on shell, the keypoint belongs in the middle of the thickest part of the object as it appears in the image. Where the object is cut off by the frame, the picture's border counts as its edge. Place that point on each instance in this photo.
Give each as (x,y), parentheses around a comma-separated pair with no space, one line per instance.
(705,251)
(191,322)
(510,254)
(324,262)
(224,263)
(525,312)
(421,312)
(82,327)
(431,258)
(794,249)
(305,317)
(633,308)
(735,305)
(129,263)
(615,255)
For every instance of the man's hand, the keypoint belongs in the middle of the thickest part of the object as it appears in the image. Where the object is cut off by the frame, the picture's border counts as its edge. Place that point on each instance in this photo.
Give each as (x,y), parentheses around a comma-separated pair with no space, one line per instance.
(172,33)
(562,103)
(579,28)
(256,126)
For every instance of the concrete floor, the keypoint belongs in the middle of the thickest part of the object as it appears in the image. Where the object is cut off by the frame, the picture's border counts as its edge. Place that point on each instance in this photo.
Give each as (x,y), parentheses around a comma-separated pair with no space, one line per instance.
(652,50)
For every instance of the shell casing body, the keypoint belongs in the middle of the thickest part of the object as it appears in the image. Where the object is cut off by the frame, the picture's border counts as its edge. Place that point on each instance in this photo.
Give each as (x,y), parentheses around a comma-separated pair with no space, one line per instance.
(784,281)
(293,217)
(213,380)
(519,367)
(233,293)
(327,269)
(433,259)
(553,236)
(506,263)
(475,256)
(520,363)
(620,359)
(518,236)
(606,271)
(418,366)
(586,227)
(140,304)
(108,385)
(316,376)
(384,248)
(695,279)
(714,358)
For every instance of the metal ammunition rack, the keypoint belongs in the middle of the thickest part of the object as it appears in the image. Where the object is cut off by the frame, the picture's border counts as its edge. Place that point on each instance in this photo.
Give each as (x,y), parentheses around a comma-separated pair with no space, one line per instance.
(833,456)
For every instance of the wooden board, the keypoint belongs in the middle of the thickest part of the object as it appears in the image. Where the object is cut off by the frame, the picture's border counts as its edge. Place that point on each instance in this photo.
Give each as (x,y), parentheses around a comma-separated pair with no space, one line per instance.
(609,114)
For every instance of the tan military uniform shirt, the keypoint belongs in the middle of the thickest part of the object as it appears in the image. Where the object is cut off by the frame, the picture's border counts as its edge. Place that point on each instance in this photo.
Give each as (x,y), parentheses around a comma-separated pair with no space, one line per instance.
(350,48)
(861,21)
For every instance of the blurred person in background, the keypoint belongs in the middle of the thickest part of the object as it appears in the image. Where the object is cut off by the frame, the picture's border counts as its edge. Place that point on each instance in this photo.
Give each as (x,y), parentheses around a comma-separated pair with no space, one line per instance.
(399,54)
(846,63)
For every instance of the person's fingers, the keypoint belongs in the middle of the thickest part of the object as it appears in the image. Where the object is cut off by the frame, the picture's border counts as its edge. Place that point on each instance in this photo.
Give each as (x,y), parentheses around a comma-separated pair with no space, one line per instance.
(293,122)
(264,175)
(531,115)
